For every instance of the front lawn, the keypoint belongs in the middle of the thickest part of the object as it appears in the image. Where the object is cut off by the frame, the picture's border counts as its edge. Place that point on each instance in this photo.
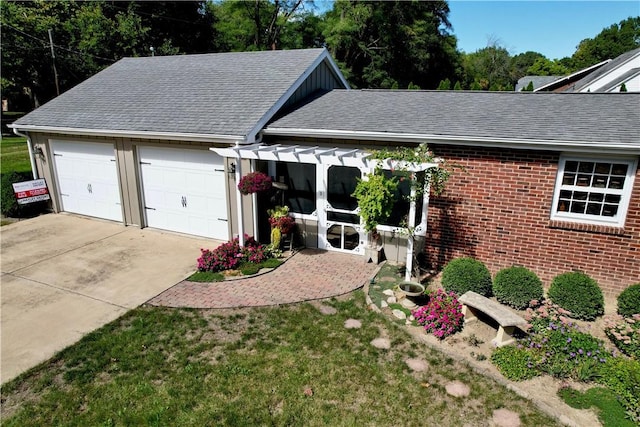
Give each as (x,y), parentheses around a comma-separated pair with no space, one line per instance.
(14,155)
(288,365)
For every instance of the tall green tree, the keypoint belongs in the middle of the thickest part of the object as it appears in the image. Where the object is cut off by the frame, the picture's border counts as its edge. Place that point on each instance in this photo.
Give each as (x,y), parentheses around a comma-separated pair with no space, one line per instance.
(609,43)
(392,43)
(489,68)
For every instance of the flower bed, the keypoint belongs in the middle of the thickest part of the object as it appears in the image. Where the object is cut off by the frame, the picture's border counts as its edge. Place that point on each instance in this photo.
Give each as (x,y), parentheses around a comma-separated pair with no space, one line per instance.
(442,315)
(230,255)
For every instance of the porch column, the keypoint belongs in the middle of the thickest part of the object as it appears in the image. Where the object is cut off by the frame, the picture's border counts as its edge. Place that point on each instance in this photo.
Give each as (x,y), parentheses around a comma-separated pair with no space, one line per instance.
(411,223)
(239,199)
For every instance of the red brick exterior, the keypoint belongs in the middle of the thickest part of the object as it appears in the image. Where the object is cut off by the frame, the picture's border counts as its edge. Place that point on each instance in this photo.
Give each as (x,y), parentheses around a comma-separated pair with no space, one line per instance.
(497,209)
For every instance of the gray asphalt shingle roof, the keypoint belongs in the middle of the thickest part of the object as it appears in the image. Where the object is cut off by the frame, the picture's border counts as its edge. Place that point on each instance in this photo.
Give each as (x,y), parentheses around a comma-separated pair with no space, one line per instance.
(580,117)
(591,77)
(214,94)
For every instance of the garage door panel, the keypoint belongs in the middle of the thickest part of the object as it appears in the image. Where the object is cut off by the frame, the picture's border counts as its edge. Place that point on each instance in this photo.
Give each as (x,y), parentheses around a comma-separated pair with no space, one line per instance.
(87,178)
(184,190)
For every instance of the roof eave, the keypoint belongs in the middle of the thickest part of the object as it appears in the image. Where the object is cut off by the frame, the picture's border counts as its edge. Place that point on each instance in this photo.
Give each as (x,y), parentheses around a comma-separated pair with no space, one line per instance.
(180,136)
(632,148)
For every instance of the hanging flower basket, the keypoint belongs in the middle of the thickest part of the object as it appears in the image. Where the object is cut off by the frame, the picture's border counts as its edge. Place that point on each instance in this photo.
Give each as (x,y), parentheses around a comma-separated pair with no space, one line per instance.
(254,182)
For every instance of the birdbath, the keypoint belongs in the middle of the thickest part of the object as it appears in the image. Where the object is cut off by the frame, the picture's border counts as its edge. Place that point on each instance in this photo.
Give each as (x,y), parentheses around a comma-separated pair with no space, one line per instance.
(413,291)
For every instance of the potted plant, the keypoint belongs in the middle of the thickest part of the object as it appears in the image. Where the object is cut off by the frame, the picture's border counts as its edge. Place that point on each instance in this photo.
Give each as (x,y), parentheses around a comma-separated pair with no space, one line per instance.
(281,223)
(254,182)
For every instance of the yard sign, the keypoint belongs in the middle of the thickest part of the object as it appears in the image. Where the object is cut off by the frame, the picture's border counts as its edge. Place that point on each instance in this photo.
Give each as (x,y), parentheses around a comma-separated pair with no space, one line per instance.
(31,191)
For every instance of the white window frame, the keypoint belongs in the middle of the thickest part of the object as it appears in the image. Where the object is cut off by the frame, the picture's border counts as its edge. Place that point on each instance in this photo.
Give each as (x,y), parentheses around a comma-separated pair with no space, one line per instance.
(625,193)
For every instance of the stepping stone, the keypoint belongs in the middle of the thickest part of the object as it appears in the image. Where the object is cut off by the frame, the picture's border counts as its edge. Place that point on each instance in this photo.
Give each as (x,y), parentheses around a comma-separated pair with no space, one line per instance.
(399,314)
(457,389)
(392,300)
(407,303)
(505,418)
(327,310)
(383,304)
(381,343)
(352,324)
(417,365)
(388,292)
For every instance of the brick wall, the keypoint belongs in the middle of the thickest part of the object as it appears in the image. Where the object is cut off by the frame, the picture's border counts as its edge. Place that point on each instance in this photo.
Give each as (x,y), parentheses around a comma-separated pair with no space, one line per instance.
(497,210)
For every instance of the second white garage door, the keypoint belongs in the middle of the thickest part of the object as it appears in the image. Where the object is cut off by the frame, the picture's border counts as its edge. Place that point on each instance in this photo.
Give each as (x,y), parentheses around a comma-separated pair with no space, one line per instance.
(184,191)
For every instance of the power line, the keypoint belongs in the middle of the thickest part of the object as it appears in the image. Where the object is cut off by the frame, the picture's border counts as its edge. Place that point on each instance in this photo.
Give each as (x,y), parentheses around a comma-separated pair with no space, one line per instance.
(46,43)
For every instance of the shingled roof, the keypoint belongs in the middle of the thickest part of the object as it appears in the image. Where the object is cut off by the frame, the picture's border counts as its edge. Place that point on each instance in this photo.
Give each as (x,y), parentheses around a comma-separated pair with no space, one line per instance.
(599,119)
(221,95)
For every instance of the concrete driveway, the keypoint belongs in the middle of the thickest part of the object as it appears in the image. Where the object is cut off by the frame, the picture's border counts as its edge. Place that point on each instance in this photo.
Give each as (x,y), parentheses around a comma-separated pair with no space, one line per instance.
(64,276)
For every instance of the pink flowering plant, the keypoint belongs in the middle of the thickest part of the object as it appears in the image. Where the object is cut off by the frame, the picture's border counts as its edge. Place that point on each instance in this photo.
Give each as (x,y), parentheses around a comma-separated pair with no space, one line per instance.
(230,255)
(254,182)
(442,315)
(540,315)
(624,332)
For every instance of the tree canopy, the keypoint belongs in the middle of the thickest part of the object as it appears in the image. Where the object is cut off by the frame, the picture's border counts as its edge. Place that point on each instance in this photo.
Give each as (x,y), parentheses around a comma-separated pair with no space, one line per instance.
(382,44)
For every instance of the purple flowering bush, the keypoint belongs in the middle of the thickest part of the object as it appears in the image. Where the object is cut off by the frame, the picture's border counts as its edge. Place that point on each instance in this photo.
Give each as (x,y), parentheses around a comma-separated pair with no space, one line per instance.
(624,332)
(254,182)
(230,255)
(442,315)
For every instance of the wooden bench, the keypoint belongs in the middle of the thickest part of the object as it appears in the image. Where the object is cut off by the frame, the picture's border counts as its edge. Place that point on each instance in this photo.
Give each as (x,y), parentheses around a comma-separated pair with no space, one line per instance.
(472,303)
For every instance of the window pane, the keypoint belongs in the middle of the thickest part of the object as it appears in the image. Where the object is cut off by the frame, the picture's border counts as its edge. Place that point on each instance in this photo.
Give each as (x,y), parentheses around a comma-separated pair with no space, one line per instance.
(583,180)
(619,169)
(603,168)
(569,179)
(612,198)
(609,210)
(600,181)
(301,181)
(571,166)
(578,207)
(564,194)
(616,182)
(563,206)
(580,195)
(343,217)
(594,208)
(341,184)
(596,197)
(586,167)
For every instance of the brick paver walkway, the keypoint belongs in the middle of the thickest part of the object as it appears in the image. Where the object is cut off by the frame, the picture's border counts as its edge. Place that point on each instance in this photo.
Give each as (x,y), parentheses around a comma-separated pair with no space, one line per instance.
(307,275)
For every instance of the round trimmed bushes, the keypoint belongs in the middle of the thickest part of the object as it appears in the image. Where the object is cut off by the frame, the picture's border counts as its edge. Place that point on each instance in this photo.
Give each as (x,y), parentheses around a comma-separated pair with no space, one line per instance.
(467,274)
(517,286)
(578,293)
(629,301)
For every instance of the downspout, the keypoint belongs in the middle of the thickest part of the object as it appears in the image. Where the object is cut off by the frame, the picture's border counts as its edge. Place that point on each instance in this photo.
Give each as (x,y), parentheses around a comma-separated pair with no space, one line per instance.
(32,156)
(239,198)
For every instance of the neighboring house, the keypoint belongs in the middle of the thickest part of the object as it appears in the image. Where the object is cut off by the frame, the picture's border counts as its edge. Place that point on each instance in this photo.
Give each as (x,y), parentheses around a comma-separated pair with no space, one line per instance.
(607,76)
(536,81)
(548,181)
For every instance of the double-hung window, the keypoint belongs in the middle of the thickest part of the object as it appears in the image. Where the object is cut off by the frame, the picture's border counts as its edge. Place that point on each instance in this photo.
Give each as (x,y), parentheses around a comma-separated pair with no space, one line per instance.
(593,190)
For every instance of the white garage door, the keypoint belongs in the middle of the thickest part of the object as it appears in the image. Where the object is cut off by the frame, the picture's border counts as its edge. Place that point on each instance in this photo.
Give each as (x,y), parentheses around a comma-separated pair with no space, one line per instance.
(184,191)
(88,179)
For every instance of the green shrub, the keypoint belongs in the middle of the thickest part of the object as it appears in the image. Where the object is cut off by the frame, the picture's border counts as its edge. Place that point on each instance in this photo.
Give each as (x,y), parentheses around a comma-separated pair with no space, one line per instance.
(578,293)
(517,287)
(467,274)
(514,363)
(10,206)
(622,376)
(206,276)
(629,301)
(248,269)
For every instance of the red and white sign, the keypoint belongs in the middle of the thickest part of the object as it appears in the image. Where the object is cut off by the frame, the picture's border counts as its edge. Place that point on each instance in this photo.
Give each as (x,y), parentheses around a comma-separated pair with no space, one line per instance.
(31,191)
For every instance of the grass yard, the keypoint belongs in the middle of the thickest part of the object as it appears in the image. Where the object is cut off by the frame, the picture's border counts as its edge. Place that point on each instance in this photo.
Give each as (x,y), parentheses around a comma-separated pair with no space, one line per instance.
(287,365)
(14,155)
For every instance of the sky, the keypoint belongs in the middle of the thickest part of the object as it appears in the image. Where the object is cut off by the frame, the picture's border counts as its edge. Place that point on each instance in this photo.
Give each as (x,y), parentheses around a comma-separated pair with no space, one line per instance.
(553,28)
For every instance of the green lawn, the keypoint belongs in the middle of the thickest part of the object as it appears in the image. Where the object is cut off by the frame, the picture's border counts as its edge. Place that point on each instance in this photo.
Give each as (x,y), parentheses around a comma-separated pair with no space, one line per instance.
(14,155)
(288,365)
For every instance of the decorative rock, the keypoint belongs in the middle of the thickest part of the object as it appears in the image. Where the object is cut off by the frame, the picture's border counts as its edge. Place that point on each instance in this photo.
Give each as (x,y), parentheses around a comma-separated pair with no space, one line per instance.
(392,300)
(407,303)
(388,292)
(411,318)
(381,343)
(327,310)
(505,418)
(417,365)
(457,389)
(352,324)
(383,304)
(399,314)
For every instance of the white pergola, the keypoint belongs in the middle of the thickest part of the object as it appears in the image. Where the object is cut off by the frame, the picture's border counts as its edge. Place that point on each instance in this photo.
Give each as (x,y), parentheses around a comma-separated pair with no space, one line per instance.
(325,156)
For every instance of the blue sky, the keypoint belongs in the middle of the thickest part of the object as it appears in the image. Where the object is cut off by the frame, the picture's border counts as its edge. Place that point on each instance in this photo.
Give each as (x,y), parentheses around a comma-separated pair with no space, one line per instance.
(553,28)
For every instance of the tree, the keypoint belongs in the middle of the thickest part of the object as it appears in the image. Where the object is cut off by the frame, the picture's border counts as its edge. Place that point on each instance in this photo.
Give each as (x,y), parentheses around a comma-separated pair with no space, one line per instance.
(545,67)
(457,86)
(489,67)
(521,62)
(611,42)
(384,44)
(623,87)
(444,85)
(529,87)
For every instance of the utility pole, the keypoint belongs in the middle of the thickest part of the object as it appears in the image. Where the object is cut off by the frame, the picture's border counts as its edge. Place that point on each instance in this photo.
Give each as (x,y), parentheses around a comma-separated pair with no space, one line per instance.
(53,60)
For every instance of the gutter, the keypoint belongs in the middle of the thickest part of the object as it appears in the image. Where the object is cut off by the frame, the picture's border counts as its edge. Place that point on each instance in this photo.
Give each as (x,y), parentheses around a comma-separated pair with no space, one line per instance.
(197,137)
(527,144)
(32,156)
